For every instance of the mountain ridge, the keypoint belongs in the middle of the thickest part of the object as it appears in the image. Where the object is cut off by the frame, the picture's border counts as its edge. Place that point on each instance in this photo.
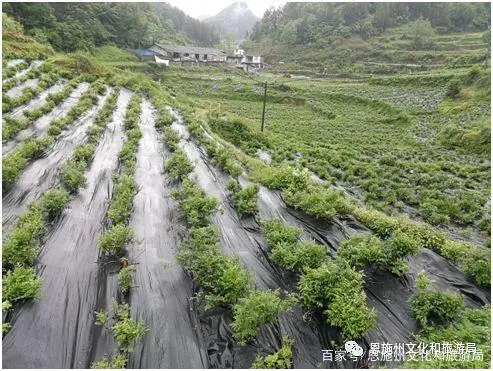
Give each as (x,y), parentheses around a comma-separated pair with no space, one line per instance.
(237,20)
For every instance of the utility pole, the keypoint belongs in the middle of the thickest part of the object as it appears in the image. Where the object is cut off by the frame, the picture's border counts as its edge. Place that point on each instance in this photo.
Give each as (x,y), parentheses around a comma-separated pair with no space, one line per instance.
(263,110)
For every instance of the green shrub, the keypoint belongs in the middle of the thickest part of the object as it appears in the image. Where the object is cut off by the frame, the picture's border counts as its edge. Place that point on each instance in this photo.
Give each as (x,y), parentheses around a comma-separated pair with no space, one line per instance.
(114,239)
(128,152)
(122,201)
(83,153)
(473,326)
(21,284)
(339,290)
(434,307)
(318,201)
(72,176)
(238,133)
(12,165)
(53,202)
(244,199)
(306,254)
(400,246)
(119,361)
(257,309)
(224,159)
(363,249)
(15,162)
(350,313)
(221,278)
(171,139)
(20,248)
(202,238)
(288,251)
(383,225)
(282,359)
(477,263)
(178,166)
(195,205)
(101,318)
(163,119)
(127,331)
(424,234)
(275,232)
(125,277)
(453,88)
(283,177)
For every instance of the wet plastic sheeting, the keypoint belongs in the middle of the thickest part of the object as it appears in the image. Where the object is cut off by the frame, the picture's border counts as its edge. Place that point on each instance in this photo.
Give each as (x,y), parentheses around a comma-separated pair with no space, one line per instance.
(41,125)
(388,294)
(34,64)
(21,73)
(16,91)
(57,331)
(44,172)
(14,62)
(161,292)
(250,247)
(39,101)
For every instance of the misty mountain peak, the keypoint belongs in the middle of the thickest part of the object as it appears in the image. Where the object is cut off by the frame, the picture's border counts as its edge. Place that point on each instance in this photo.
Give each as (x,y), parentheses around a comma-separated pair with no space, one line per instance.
(236,19)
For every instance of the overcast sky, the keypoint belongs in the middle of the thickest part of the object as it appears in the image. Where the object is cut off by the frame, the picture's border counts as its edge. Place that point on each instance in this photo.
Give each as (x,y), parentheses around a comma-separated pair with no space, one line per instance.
(197,8)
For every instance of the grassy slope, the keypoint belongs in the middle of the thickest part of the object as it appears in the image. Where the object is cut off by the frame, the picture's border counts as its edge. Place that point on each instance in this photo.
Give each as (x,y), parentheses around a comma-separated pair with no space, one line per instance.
(17,45)
(376,55)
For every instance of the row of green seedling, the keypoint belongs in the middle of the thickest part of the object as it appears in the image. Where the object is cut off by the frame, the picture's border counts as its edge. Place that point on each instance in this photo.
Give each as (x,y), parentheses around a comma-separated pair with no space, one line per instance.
(116,236)
(21,247)
(47,80)
(221,279)
(72,173)
(12,125)
(31,74)
(397,239)
(325,202)
(15,162)
(12,70)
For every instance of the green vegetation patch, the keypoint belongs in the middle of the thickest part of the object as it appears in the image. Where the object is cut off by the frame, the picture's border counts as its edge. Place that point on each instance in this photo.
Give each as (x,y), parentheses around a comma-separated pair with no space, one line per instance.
(257,309)
(282,359)
(221,278)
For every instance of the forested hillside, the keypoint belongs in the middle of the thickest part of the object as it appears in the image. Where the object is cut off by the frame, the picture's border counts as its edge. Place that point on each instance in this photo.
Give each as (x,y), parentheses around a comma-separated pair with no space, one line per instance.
(347,33)
(75,26)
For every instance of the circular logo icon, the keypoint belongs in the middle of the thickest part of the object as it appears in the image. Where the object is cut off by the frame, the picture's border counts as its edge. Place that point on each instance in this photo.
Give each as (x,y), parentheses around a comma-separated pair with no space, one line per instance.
(353,348)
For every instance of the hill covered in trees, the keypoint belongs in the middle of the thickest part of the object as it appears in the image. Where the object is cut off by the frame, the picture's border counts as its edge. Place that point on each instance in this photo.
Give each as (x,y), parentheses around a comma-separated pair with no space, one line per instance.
(350,32)
(75,26)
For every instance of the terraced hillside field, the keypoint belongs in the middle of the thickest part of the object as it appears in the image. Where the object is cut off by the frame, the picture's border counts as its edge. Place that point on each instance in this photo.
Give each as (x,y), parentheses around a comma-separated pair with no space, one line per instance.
(149,223)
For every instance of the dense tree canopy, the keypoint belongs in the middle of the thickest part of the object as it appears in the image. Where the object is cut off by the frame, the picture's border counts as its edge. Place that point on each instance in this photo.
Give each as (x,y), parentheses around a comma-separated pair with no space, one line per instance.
(71,26)
(301,23)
